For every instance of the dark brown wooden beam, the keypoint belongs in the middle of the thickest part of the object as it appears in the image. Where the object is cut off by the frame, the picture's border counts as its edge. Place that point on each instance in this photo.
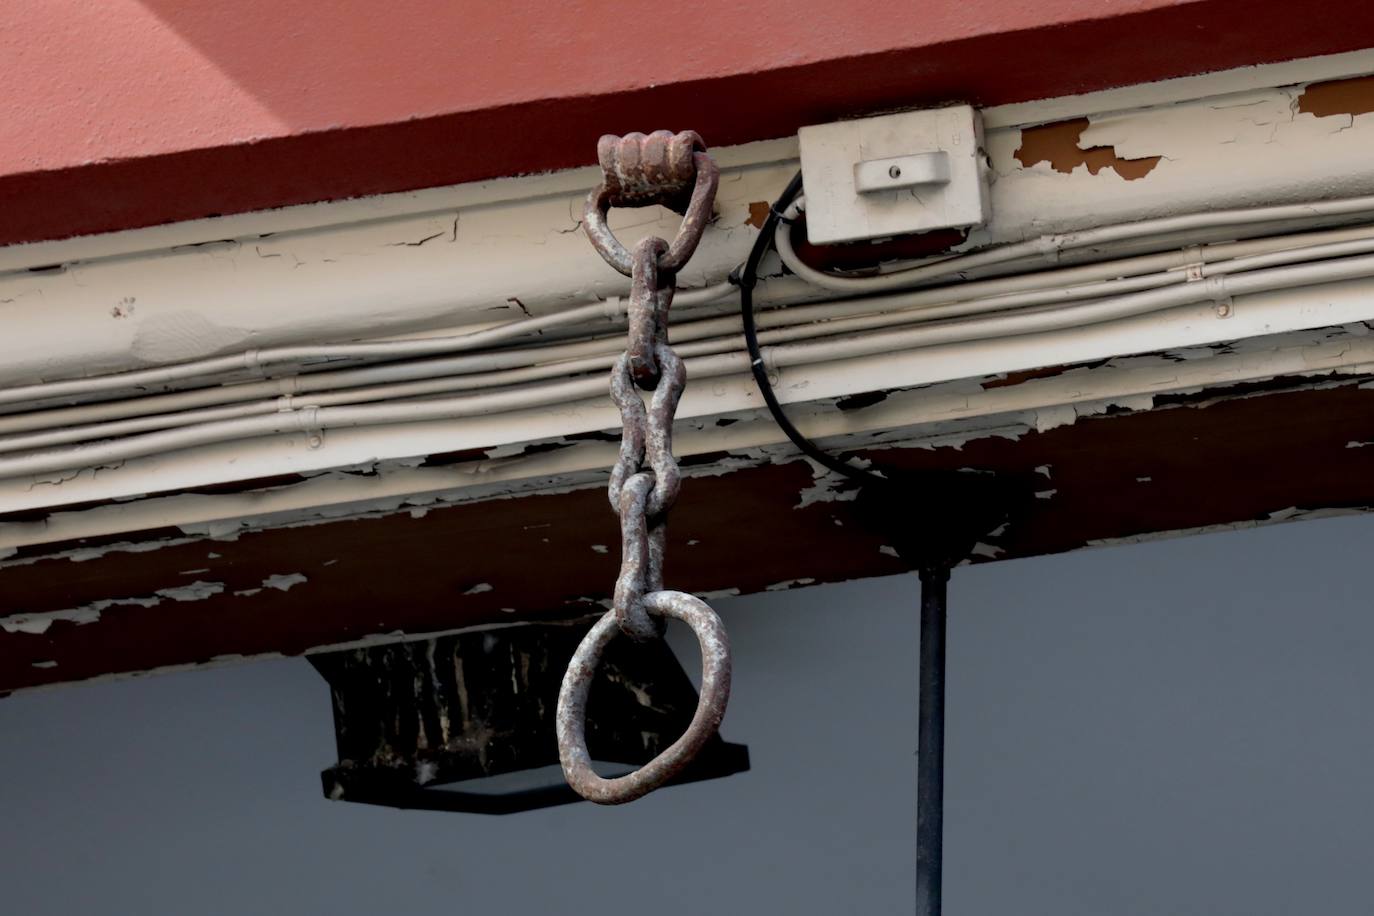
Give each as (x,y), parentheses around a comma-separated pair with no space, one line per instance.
(1207,459)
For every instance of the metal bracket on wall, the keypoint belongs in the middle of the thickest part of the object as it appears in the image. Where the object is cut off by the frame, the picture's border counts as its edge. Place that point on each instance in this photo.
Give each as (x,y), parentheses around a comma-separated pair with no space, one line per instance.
(439,723)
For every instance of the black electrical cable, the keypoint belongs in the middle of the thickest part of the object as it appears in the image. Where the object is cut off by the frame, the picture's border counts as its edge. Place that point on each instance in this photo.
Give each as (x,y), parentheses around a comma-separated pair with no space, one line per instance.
(746,279)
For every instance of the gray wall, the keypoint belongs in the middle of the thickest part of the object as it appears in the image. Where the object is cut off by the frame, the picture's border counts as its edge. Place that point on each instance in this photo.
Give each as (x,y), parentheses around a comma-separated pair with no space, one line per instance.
(1181,727)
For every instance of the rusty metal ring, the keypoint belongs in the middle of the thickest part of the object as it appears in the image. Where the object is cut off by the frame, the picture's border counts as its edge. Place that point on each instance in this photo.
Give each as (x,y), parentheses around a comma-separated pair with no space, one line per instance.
(572,702)
(684,244)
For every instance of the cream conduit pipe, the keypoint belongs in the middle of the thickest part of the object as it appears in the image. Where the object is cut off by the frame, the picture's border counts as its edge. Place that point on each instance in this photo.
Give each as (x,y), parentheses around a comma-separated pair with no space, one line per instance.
(702,338)
(256,361)
(696,339)
(693,339)
(301,385)
(975,297)
(1050,245)
(1281,250)
(1218,287)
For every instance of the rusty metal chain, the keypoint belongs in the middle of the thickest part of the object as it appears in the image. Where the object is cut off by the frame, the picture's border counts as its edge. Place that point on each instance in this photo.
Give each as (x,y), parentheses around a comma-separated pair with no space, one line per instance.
(639,170)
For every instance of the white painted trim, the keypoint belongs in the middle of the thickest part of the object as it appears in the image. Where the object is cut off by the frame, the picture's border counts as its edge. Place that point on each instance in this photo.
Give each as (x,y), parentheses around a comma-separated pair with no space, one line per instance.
(1286,332)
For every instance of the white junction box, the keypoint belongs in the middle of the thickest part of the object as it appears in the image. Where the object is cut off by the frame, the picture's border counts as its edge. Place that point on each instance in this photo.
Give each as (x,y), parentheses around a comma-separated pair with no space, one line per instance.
(894,175)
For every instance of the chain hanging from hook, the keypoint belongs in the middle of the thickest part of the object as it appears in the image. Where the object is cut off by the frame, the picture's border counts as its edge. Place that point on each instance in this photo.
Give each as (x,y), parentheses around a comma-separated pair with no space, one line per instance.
(639,170)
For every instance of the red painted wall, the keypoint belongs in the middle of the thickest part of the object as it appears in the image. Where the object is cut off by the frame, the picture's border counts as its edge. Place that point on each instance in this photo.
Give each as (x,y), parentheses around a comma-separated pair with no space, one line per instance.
(123,113)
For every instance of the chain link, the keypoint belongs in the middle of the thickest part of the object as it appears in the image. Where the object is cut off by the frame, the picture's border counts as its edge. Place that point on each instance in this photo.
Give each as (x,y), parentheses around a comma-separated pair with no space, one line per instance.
(640,170)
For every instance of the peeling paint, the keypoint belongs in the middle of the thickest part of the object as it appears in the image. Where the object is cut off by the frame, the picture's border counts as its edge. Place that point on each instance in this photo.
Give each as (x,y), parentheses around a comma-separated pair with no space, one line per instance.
(284,583)
(1338,97)
(758,213)
(38,624)
(196,591)
(1059,144)
(828,487)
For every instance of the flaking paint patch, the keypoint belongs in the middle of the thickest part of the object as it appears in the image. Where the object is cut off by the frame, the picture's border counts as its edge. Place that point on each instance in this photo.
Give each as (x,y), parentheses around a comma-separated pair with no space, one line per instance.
(1348,97)
(284,583)
(196,591)
(1060,146)
(86,554)
(827,487)
(1048,418)
(38,624)
(758,213)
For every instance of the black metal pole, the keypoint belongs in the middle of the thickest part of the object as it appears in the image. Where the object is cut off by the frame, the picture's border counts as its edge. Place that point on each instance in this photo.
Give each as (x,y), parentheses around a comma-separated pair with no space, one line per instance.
(930,743)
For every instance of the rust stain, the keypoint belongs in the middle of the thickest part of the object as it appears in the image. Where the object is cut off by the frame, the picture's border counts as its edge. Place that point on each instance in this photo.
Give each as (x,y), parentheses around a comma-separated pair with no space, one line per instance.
(1339,97)
(758,212)
(1059,145)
